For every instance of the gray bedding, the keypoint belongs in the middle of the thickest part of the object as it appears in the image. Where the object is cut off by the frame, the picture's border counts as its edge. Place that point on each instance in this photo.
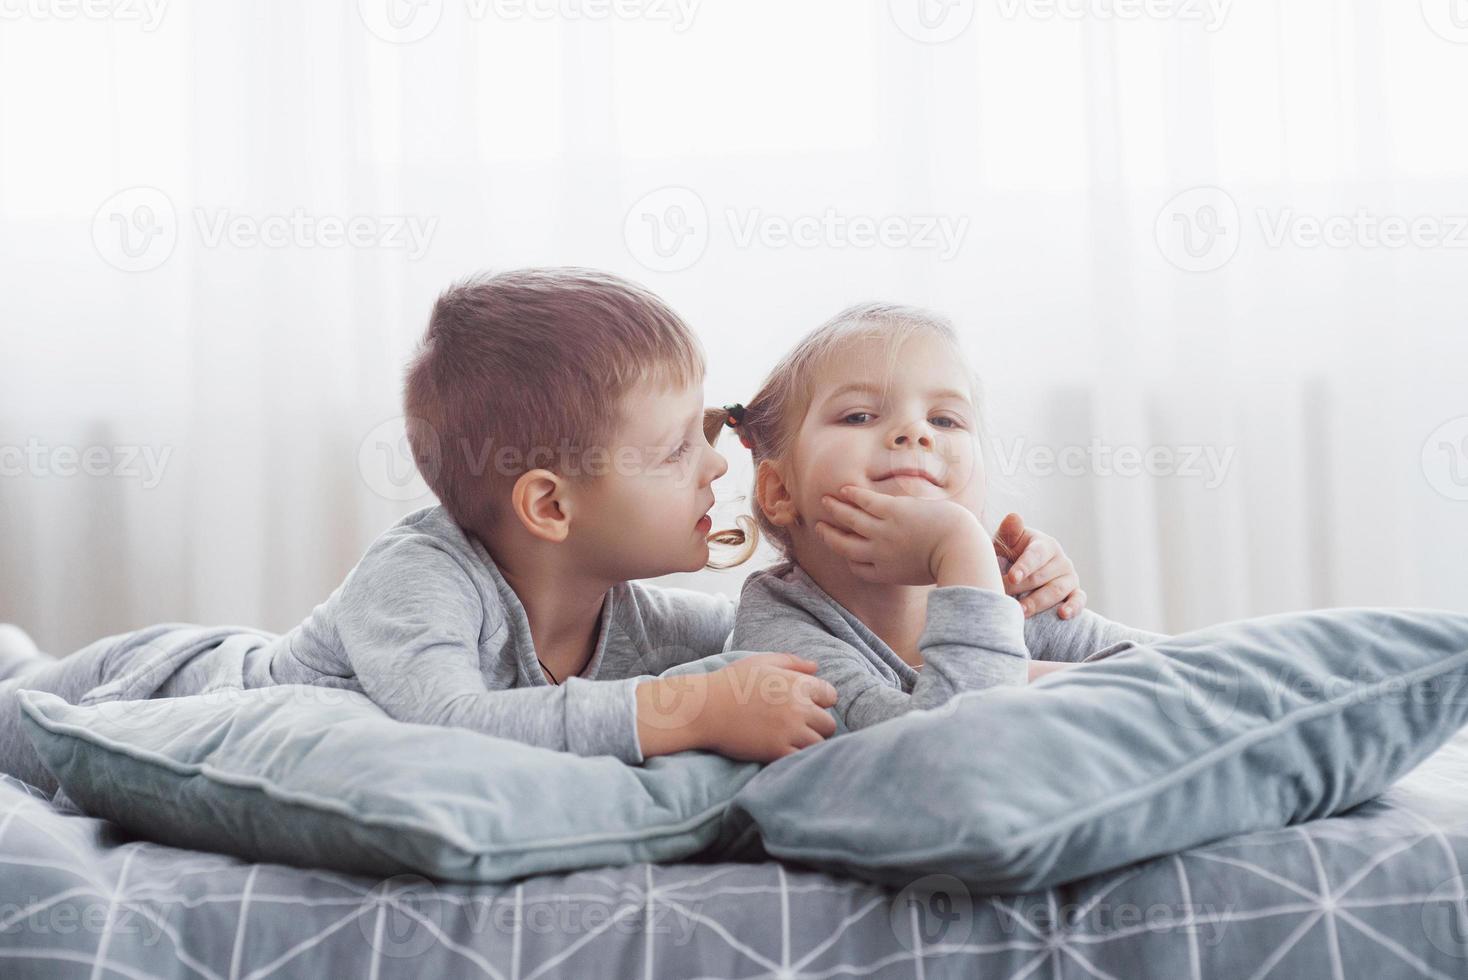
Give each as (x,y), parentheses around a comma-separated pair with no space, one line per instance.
(1377,892)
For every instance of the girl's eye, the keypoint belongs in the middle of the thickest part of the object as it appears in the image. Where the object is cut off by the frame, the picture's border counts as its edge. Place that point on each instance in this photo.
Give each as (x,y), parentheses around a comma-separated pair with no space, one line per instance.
(679,453)
(860,416)
(948,423)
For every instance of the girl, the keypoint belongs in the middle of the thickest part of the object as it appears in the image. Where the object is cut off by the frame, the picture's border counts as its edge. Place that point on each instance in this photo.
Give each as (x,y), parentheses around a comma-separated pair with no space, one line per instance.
(870,479)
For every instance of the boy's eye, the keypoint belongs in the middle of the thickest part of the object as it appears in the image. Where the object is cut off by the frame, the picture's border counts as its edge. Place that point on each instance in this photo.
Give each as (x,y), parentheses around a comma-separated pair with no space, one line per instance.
(947,423)
(860,417)
(679,453)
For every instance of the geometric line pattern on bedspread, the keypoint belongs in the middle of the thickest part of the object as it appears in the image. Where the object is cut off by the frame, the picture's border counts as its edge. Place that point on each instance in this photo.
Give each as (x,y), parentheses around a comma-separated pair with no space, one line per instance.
(1378,892)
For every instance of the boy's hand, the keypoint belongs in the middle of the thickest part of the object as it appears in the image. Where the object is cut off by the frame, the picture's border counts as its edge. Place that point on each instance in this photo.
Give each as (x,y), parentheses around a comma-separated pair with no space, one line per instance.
(1042,574)
(901,540)
(765,706)
(760,708)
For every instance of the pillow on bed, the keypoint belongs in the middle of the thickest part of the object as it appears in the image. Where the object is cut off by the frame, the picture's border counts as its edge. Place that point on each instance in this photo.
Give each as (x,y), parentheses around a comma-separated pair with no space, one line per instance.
(323,777)
(1247,725)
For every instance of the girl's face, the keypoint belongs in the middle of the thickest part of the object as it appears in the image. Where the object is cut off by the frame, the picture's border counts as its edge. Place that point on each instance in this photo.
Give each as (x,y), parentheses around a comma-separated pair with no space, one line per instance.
(911,431)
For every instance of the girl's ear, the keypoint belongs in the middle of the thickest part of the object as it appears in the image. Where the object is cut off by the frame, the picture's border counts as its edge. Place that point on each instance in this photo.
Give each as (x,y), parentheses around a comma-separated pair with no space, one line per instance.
(539,501)
(772,495)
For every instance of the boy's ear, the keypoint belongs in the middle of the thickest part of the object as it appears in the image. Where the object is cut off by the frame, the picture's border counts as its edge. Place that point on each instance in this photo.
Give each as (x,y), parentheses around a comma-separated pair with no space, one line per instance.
(773,496)
(539,501)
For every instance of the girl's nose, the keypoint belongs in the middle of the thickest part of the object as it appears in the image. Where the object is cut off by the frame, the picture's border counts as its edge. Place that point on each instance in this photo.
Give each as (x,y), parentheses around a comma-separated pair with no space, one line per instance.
(912,435)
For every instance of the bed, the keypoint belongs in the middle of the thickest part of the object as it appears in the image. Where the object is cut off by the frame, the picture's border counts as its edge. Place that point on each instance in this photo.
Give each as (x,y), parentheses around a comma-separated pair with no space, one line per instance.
(1378,892)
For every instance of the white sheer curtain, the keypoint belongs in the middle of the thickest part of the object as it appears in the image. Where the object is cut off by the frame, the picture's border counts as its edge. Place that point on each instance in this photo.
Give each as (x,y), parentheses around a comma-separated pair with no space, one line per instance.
(199,376)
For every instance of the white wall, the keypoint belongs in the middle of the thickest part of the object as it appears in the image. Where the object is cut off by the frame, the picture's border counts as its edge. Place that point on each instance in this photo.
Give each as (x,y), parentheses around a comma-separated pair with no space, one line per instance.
(1053,149)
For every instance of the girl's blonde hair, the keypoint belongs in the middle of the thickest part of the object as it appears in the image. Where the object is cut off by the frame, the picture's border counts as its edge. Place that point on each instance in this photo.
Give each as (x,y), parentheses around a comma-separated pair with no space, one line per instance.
(773,417)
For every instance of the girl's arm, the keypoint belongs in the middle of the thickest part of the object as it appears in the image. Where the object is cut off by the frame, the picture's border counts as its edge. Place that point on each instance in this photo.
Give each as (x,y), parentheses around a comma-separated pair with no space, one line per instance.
(974,638)
(1084,637)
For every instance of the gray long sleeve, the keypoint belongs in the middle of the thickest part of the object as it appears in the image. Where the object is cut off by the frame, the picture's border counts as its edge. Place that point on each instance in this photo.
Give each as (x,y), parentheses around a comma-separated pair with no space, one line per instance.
(1086,637)
(974,639)
(427,627)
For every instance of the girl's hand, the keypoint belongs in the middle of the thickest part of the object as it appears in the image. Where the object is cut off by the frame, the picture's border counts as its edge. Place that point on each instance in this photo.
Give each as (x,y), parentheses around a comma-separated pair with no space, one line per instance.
(1042,574)
(901,540)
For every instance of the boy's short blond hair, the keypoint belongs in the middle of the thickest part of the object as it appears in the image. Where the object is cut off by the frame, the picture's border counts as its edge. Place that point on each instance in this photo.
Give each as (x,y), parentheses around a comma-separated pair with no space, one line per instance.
(526,370)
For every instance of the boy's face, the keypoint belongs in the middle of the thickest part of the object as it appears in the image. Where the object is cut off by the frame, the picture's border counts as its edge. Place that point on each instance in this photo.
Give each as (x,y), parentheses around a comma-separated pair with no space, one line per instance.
(648,514)
(908,432)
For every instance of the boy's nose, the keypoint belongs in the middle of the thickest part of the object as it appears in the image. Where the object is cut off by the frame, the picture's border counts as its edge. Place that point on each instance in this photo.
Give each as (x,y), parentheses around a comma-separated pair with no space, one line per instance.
(721,465)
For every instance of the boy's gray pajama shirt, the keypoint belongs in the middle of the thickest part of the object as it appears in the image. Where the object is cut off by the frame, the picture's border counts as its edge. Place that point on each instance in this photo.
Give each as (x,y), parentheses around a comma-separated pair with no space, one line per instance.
(424,625)
(427,627)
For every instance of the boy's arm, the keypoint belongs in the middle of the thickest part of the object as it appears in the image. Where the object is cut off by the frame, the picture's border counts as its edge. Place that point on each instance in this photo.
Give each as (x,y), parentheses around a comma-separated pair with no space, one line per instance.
(410,624)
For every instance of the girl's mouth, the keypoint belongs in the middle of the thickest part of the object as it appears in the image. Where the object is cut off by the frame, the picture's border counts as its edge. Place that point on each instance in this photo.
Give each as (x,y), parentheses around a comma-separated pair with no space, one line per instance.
(705,524)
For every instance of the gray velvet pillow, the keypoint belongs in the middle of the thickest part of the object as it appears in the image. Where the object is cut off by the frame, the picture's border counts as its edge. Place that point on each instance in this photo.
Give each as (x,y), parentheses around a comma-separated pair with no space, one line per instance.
(1247,725)
(322,777)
